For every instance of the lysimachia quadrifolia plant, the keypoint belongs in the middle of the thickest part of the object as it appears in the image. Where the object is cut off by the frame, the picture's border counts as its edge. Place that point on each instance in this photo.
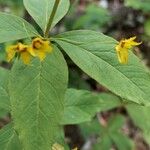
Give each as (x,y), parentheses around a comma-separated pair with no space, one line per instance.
(35,90)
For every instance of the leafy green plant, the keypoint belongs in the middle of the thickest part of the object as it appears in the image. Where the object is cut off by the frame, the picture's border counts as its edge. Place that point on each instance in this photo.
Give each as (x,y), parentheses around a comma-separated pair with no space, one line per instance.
(15,6)
(95,17)
(147,27)
(36,94)
(109,135)
(138,4)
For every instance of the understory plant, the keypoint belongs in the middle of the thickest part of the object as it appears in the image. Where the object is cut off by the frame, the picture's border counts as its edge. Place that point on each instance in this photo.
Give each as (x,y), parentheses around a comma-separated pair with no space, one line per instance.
(34,91)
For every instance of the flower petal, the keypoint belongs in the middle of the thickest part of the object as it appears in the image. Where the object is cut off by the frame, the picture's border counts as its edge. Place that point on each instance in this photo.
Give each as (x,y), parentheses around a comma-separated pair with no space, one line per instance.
(49,49)
(11,51)
(123,47)
(131,39)
(31,51)
(41,55)
(26,57)
(123,56)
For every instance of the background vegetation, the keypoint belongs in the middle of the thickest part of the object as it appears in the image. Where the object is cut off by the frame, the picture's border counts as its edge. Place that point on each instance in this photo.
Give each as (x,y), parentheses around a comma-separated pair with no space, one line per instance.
(116,18)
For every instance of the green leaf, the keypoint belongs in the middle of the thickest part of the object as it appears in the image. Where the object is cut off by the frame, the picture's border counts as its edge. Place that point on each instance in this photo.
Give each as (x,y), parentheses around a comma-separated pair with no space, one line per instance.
(95,54)
(113,132)
(37,97)
(116,123)
(122,142)
(2,52)
(109,101)
(4,95)
(9,139)
(104,144)
(14,28)
(109,134)
(140,117)
(75,76)
(3,113)
(138,4)
(147,27)
(95,17)
(90,128)
(41,11)
(80,106)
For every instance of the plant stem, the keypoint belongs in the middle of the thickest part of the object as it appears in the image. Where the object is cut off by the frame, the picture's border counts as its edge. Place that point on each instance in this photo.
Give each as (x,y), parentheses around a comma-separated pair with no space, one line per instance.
(51,18)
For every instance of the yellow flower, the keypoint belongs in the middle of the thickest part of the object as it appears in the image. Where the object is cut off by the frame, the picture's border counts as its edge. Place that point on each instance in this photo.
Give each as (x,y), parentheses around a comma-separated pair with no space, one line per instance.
(75,148)
(24,51)
(123,47)
(57,146)
(41,47)
(11,52)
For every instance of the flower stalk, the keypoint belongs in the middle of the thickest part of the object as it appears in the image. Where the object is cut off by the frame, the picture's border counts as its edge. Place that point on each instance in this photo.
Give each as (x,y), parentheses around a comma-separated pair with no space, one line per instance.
(49,25)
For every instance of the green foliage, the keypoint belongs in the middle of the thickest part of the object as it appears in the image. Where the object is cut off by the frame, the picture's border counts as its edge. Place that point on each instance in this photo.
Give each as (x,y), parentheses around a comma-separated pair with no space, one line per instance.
(109,101)
(10,2)
(122,142)
(94,18)
(80,106)
(95,55)
(147,27)
(9,139)
(2,52)
(139,4)
(4,95)
(41,13)
(109,134)
(14,28)
(140,117)
(75,76)
(90,128)
(37,93)
(15,6)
